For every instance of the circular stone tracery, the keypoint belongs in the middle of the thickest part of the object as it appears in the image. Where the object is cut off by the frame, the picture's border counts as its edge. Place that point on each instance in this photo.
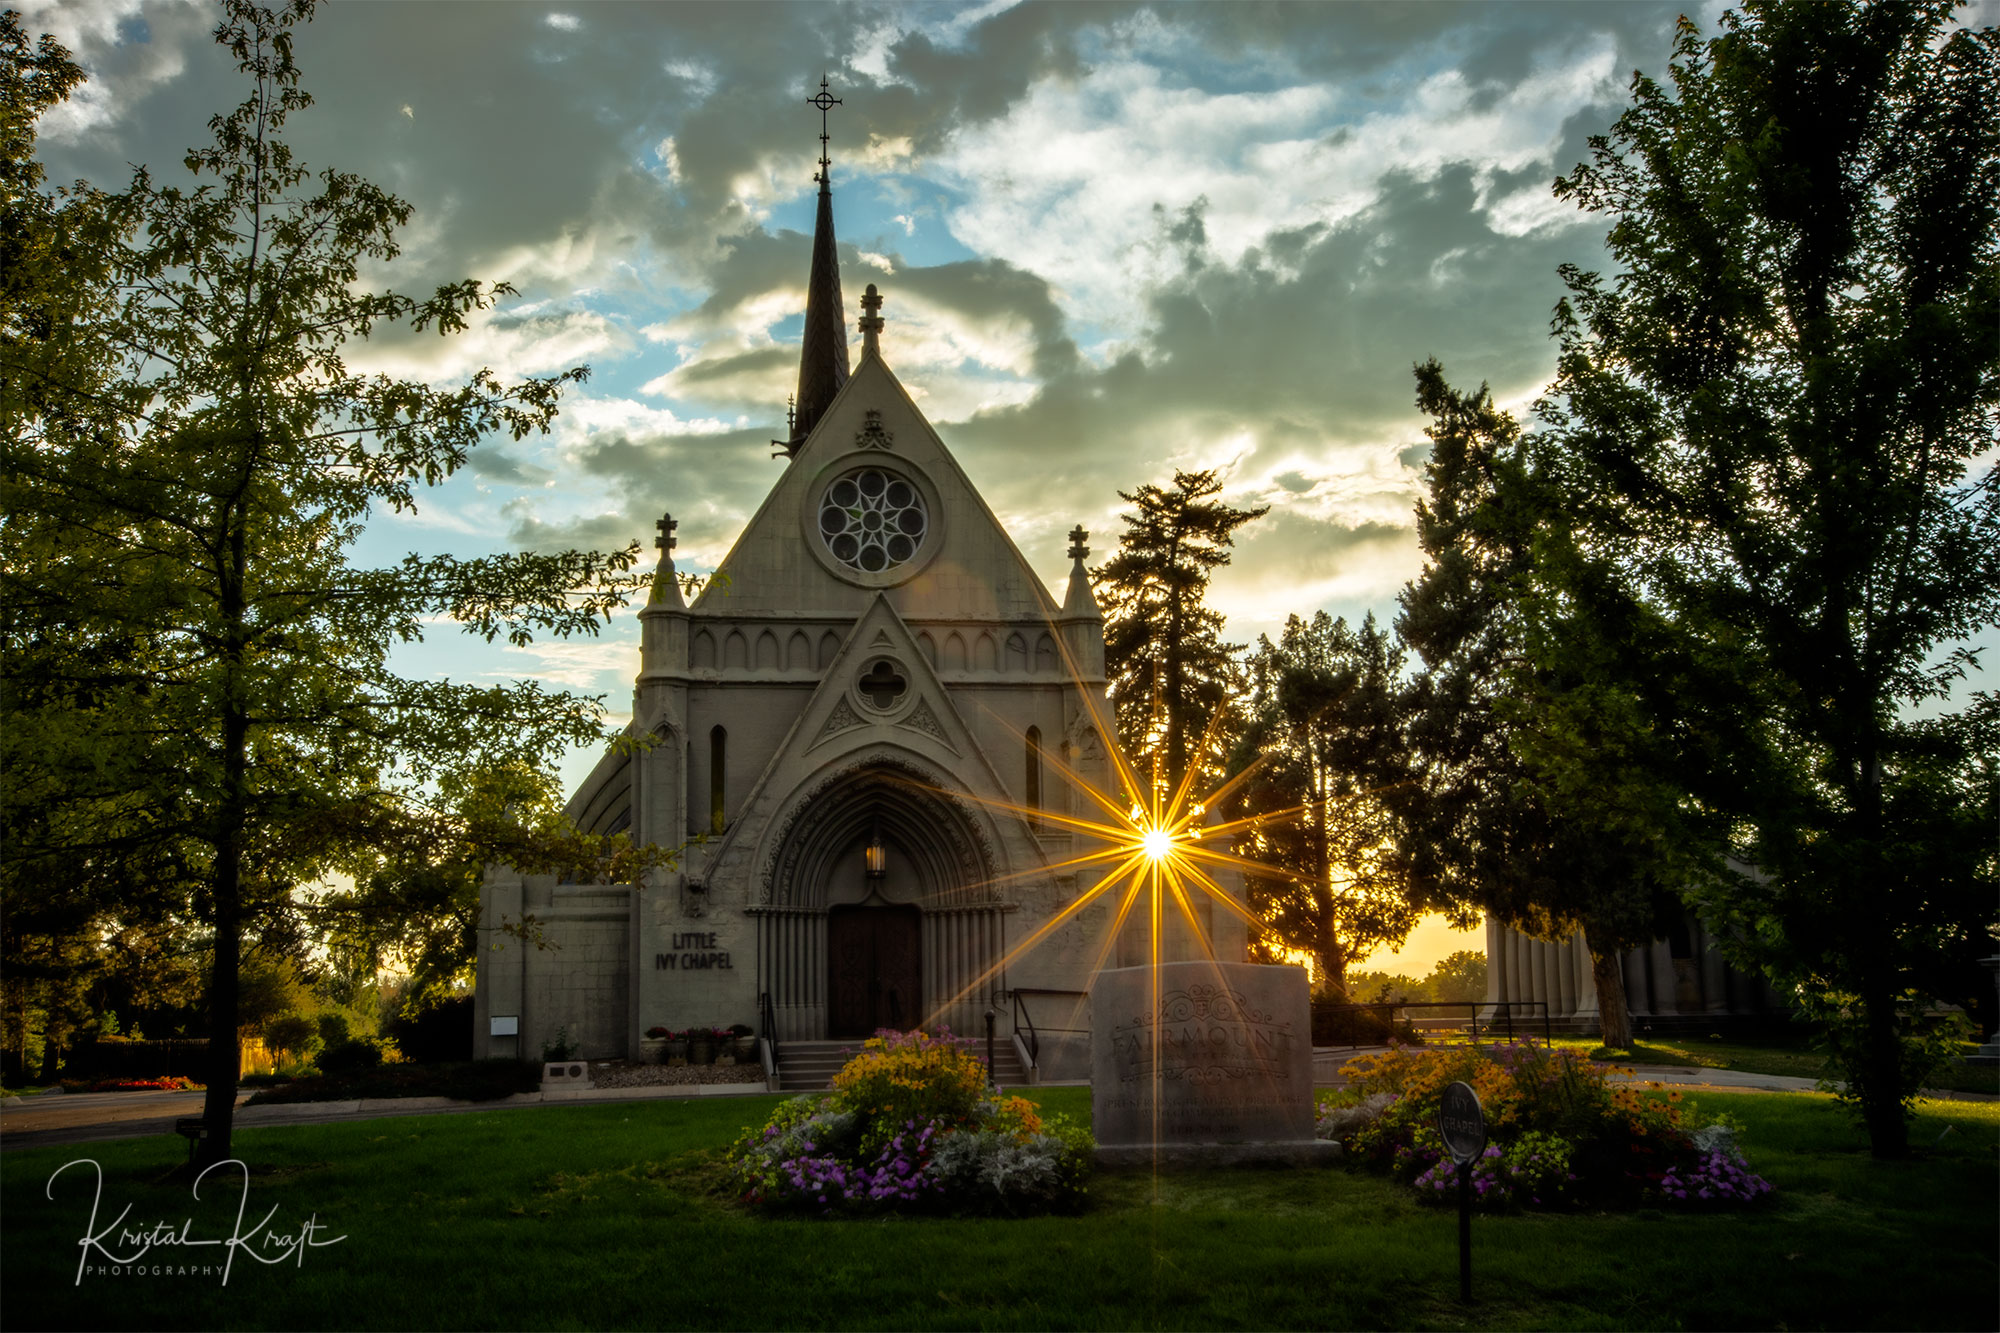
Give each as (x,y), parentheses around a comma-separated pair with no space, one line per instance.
(872,520)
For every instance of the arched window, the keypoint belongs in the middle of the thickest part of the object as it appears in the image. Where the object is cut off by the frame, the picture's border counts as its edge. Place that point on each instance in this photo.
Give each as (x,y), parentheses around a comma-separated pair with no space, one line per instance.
(1034,783)
(718,767)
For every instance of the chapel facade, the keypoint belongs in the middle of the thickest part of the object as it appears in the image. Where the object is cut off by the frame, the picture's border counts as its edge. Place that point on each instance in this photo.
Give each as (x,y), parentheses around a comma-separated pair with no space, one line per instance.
(864,729)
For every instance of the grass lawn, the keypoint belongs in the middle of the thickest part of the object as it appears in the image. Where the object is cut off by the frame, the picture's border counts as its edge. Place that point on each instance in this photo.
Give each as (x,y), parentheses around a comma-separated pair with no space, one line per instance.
(600,1216)
(1791,1055)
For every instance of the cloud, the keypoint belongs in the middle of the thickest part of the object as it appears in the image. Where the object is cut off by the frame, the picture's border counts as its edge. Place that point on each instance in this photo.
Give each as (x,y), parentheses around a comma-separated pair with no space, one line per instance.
(1114,239)
(1290,563)
(581,664)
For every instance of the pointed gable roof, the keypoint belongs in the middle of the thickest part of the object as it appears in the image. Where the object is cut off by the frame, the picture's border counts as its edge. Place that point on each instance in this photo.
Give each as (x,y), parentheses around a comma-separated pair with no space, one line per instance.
(967,568)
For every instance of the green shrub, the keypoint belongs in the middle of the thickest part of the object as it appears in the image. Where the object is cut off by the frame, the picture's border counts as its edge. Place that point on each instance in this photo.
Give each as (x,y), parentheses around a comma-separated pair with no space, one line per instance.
(471,1081)
(349,1056)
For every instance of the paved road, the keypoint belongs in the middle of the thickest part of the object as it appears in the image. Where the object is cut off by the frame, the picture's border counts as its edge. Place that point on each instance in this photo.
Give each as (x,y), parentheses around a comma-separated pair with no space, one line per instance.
(41,1121)
(92,1117)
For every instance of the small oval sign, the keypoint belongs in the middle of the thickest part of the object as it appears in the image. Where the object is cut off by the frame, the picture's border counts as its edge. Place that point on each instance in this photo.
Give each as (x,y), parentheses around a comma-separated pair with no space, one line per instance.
(1462,1122)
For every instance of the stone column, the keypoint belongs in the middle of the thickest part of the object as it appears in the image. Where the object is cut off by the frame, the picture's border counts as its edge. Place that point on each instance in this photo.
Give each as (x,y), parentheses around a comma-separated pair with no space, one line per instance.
(1660,973)
(1990,1052)
(1586,977)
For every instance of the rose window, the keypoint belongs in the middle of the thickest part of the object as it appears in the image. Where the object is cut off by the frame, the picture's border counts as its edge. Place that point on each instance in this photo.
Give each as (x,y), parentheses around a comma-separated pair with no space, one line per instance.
(872,520)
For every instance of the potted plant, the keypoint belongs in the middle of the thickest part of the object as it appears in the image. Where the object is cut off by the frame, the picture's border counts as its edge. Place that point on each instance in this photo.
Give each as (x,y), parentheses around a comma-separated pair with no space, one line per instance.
(744,1039)
(701,1045)
(725,1045)
(673,1046)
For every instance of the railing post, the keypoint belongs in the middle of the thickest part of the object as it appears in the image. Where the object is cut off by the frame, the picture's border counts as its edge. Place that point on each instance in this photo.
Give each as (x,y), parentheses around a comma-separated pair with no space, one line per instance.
(991,1082)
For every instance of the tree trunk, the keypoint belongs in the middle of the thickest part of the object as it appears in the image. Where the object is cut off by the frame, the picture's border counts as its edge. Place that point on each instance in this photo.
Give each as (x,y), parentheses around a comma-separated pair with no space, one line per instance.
(225,1060)
(1614,1018)
(218,1108)
(1881,1074)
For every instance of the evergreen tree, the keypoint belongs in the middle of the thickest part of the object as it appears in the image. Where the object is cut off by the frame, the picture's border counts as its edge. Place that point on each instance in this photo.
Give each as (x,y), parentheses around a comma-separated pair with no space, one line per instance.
(1774,433)
(1481,828)
(1324,730)
(200,708)
(1170,673)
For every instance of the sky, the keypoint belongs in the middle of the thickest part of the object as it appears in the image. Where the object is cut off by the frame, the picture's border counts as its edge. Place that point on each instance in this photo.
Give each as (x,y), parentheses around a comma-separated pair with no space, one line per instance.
(1113,240)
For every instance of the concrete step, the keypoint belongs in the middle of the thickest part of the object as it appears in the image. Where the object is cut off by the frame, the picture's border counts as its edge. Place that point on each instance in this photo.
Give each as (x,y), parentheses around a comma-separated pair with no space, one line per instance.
(807,1066)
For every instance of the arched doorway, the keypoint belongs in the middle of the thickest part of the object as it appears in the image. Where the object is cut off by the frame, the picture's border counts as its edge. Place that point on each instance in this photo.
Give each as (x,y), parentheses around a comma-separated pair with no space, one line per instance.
(846,947)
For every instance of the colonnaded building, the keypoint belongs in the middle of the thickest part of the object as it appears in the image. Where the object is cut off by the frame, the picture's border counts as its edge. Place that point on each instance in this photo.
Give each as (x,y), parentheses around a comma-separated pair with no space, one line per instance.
(1679,984)
(859,717)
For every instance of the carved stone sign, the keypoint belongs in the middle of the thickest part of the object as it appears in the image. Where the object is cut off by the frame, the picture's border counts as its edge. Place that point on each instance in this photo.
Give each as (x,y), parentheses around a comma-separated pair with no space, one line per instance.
(1224,1058)
(696,952)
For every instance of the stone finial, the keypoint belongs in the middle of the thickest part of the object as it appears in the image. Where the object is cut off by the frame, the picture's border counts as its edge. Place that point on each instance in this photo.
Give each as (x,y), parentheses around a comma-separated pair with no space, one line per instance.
(1080,603)
(871,322)
(666,584)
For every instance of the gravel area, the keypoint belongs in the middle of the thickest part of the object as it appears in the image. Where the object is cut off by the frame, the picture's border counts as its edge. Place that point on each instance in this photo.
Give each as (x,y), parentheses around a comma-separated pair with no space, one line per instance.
(620,1074)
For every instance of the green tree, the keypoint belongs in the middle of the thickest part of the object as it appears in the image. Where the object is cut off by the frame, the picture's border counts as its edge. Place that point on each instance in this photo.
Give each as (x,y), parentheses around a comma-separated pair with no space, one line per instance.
(1459,976)
(215,721)
(1170,673)
(1774,432)
(1324,731)
(1481,826)
(414,907)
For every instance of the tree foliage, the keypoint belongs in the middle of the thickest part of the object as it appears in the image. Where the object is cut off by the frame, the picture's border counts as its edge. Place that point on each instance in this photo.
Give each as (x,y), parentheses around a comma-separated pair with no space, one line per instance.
(1323,722)
(1482,827)
(201,706)
(1773,429)
(1170,672)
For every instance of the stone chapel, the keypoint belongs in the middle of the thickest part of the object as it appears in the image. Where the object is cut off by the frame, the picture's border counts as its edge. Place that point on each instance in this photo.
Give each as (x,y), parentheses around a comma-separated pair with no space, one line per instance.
(852,727)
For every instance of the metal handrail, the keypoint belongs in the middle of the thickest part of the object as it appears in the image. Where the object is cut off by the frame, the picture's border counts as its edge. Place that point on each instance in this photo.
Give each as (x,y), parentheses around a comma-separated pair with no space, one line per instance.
(768,1019)
(1021,1016)
(1017,997)
(1387,1010)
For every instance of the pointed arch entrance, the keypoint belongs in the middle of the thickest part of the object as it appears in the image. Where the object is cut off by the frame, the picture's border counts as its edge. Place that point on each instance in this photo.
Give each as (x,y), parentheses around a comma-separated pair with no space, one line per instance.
(844,948)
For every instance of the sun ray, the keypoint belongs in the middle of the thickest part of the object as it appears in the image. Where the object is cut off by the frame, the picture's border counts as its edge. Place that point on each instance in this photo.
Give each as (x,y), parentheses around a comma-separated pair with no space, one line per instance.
(1155,842)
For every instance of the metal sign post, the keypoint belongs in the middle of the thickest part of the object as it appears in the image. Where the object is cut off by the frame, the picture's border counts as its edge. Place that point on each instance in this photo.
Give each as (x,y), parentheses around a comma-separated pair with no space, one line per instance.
(1462,1125)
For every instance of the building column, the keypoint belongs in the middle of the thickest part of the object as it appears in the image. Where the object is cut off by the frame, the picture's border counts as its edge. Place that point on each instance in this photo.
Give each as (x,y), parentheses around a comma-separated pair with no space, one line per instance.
(1585,977)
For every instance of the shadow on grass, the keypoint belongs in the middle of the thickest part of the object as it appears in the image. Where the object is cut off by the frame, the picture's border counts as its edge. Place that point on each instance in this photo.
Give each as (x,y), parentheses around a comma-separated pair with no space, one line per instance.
(611,1216)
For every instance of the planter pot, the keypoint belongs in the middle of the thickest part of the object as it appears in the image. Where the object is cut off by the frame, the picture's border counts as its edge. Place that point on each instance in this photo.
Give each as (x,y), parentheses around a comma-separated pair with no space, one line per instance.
(566,1074)
(746,1050)
(673,1052)
(701,1051)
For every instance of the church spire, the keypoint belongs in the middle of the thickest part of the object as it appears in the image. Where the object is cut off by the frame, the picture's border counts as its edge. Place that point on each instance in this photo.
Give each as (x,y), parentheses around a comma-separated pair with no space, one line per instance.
(823,355)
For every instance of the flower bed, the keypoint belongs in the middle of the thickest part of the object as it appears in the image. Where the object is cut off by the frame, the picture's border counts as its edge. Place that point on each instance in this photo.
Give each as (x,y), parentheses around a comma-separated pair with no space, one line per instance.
(1559,1132)
(170,1083)
(910,1125)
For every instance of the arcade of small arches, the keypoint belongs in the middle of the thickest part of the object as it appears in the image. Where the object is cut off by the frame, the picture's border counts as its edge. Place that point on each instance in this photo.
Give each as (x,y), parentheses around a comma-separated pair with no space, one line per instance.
(748,648)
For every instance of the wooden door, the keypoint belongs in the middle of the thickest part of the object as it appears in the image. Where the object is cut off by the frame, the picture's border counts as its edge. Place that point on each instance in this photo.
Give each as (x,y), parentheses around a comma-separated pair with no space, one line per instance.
(874,970)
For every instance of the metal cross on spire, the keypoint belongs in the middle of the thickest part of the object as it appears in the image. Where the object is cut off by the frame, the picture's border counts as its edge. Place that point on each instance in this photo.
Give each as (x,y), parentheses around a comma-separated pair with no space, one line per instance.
(1077,538)
(666,541)
(824,101)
